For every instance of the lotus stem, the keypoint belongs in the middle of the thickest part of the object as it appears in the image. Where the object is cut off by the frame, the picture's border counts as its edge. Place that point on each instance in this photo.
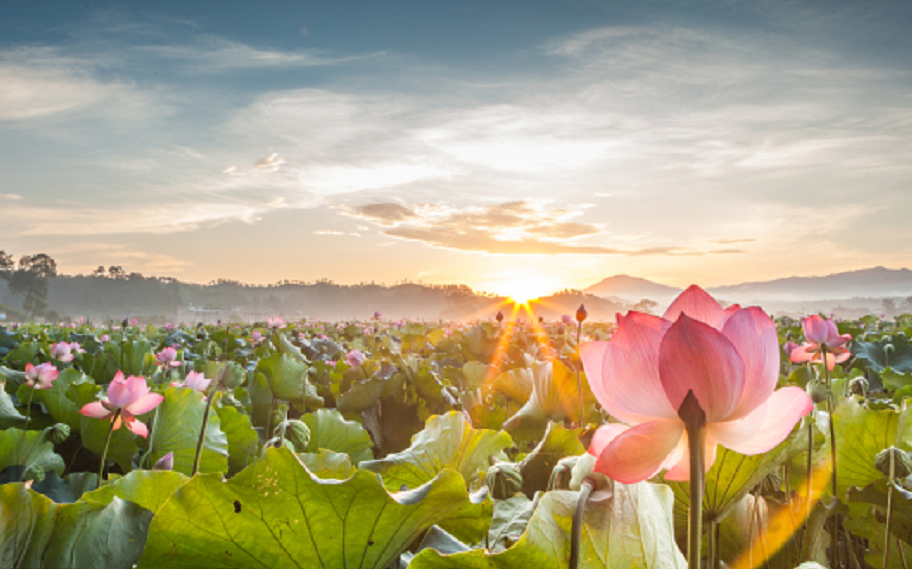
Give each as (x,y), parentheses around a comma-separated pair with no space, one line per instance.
(886,553)
(695,424)
(830,412)
(902,554)
(28,418)
(202,435)
(104,453)
(576,529)
(711,546)
(579,382)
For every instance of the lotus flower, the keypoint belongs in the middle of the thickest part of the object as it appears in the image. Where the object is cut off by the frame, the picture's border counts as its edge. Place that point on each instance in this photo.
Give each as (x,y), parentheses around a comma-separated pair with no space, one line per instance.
(132,397)
(197,381)
(823,337)
(277,322)
(167,357)
(355,358)
(377,315)
(62,351)
(40,376)
(729,359)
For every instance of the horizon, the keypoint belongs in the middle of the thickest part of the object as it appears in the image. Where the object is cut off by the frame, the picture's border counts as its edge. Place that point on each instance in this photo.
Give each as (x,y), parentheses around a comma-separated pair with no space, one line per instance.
(506,147)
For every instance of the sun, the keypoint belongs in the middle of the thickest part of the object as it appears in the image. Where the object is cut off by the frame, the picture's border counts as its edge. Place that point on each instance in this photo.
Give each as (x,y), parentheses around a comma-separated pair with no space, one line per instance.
(522,289)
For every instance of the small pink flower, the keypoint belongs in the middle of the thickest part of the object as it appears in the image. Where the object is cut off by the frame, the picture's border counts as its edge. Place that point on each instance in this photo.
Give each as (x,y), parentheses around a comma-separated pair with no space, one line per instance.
(61,351)
(197,381)
(822,337)
(377,315)
(105,338)
(567,319)
(167,357)
(355,358)
(331,363)
(41,376)
(788,348)
(256,337)
(133,321)
(132,396)
(276,322)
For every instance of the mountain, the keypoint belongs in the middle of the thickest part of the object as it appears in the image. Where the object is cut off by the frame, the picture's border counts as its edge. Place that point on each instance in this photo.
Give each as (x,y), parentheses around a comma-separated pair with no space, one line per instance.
(632,288)
(874,282)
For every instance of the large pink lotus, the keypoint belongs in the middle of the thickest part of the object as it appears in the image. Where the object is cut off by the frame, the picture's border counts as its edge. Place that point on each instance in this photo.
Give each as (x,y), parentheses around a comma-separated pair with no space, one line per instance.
(728,358)
(132,397)
(823,338)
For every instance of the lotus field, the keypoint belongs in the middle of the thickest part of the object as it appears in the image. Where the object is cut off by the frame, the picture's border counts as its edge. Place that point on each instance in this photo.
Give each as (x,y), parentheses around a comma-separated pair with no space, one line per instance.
(706,437)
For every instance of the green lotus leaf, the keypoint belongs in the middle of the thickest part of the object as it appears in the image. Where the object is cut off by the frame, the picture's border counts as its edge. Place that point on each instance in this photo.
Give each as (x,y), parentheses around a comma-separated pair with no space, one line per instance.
(36,532)
(876,494)
(732,476)
(284,346)
(287,378)
(276,514)
(473,376)
(869,528)
(630,528)
(178,422)
(447,441)
(509,522)
(94,432)
(147,488)
(68,489)
(28,448)
(9,415)
(243,441)
(862,433)
(877,355)
(328,430)
(361,395)
(555,397)
(515,384)
(327,464)
(557,443)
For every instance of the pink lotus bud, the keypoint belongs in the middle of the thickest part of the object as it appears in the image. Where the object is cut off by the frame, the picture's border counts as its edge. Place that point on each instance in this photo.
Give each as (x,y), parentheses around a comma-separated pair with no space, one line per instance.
(355,358)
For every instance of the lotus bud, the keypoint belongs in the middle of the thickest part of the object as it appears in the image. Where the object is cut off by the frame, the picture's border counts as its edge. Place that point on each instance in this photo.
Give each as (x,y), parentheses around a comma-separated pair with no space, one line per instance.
(581,313)
(859,386)
(818,390)
(503,480)
(297,433)
(888,351)
(499,316)
(58,433)
(125,323)
(902,462)
(165,463)
(231,375)
(34,473)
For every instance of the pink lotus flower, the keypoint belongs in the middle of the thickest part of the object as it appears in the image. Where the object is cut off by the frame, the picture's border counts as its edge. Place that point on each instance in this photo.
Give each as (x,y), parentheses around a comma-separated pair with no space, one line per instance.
(567,319)
(197,381)
(256,337)
(276,322)
(167,357)
(105,338)
(132,397)
(729,359)
(40,376)
(822,337)
(377,315)
(62,351)
(355,358)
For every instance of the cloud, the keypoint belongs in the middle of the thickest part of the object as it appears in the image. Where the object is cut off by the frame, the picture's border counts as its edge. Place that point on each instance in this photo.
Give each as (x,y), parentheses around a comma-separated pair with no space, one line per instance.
(212,54)
(10,196)
(519,227)
(269,164)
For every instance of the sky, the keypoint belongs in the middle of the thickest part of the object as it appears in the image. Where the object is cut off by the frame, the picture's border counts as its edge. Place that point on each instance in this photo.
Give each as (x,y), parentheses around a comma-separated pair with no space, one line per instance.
(499,144)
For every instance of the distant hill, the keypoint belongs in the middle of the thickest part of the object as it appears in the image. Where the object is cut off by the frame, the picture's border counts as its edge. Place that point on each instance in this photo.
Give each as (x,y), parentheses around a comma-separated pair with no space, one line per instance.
(632,288)
(874,282)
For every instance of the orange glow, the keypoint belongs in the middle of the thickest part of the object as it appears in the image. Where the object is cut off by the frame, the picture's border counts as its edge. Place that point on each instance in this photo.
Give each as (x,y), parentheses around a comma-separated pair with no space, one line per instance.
(784,524)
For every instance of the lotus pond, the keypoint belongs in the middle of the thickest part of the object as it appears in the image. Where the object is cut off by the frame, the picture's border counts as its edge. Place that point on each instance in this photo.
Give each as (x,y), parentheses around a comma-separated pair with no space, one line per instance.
(387,444)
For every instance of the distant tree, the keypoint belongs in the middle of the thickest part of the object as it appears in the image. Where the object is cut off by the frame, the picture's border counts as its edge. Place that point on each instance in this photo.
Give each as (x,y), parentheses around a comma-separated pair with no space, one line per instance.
(116,272)
(30,280)
(645,306)
(99,272)
(6,265)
